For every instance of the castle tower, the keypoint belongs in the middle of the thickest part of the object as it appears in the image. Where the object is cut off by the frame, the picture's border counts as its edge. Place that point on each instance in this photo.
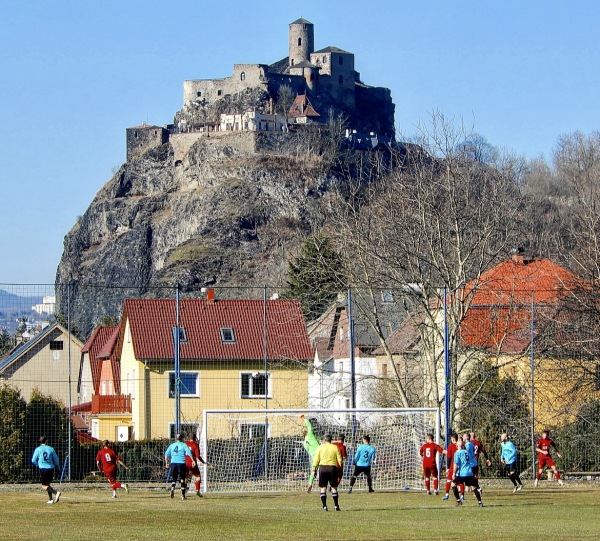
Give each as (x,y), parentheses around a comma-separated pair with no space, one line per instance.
(302,41)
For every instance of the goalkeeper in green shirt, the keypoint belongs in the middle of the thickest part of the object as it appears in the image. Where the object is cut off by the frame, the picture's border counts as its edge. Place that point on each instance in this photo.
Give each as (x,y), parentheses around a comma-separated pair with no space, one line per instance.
(310,445)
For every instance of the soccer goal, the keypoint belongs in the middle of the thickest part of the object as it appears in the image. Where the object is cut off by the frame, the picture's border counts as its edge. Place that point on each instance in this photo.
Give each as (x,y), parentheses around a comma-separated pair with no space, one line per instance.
(262,450)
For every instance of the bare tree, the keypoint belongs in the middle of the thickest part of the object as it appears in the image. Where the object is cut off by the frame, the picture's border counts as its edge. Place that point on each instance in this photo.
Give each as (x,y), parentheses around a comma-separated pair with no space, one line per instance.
(577,162)
(285,98)
(434,224)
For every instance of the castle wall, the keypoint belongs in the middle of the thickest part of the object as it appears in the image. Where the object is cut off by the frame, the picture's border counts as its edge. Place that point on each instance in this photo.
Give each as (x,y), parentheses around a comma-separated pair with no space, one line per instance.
(141,138)
(210,90)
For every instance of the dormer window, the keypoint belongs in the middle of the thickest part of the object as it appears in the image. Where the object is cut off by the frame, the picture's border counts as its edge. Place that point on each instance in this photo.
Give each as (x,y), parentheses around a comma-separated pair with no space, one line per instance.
(182,334)
(227,335)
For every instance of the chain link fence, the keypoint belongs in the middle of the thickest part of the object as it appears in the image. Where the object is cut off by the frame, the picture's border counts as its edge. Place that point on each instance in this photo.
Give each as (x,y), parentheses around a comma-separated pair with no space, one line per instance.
(81,364)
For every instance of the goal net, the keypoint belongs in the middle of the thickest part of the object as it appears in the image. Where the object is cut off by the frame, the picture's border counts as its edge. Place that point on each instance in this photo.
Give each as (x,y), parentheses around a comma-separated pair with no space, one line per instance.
(262,450)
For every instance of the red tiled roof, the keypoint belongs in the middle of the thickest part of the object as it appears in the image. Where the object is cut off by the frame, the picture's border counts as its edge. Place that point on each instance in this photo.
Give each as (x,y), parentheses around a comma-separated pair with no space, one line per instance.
(499,316)
(109,352)
(152,320)
(303,107)
(94,347)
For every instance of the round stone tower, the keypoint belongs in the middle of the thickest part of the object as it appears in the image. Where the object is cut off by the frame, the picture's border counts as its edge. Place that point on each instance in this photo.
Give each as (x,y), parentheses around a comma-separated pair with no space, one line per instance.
(302,41)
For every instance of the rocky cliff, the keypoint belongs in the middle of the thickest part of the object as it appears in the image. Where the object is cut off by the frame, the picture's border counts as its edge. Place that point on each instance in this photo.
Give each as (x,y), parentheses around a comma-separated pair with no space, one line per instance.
(212,210)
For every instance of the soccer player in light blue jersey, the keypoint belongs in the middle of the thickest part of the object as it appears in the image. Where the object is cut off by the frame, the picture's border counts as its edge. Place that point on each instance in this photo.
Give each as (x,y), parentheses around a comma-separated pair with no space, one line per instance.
(463,474)
(46,459)
(363,460)
(509,459)
(175,460)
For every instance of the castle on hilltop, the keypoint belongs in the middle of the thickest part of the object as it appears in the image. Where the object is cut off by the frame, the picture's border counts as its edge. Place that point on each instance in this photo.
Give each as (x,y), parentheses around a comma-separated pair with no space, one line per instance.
(306,71)
(316,83)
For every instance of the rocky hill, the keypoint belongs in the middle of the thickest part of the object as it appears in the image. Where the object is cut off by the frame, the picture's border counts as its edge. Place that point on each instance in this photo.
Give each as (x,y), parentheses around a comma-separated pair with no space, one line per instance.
(223,210)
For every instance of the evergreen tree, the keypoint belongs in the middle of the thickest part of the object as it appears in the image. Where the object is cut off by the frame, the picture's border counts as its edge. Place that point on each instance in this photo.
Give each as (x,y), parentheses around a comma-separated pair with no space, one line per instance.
(6,342)
(315,276)
(12,428)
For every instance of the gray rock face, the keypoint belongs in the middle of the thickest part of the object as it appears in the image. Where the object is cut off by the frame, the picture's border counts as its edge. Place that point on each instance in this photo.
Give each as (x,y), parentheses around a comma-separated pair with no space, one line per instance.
(218,214)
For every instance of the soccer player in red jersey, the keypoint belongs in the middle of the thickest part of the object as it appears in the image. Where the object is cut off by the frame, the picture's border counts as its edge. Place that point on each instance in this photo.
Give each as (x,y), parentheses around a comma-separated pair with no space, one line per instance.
(542,448)
(194,469)
(107,461)
(344,452)
(449,452)
(429,451)
(479,449)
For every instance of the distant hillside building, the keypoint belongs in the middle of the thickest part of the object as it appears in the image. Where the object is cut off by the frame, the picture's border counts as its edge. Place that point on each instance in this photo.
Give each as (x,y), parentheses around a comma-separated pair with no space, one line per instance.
(143,137)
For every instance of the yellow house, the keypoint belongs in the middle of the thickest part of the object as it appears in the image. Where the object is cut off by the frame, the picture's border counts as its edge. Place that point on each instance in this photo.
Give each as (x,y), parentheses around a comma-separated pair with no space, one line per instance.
(233,354)
(499,327)
(48,362)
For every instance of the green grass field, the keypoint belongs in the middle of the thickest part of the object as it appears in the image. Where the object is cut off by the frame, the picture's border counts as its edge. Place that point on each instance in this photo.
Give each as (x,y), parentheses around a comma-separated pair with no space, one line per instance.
(546,513)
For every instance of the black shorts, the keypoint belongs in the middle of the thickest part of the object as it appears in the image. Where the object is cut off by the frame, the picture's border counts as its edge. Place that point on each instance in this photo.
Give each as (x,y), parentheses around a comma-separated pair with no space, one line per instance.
(510,468)
(328,475)
(470,481)
(178,472)
(362,469)
(47,475)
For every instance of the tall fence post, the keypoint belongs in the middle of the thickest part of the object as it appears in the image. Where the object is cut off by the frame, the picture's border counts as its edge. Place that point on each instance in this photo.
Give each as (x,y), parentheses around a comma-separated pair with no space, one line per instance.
(177,375)
(532,358)
(446,370)
(352,362)
(69,431)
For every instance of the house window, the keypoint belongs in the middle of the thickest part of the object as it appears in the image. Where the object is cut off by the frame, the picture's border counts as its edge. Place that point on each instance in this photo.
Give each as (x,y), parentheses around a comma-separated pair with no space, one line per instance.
(227,335)
(185,429)
(255,385)
(341,60)
(341,80)
(56,345)
(103,391)
(387,296)
(95,429)
(250,431)
(243,76)
(198,94)
(182,334)
(189,386)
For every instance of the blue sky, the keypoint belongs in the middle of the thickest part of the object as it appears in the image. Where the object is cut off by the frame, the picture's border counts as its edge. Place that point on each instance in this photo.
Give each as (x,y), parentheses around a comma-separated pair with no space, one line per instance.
(76,74)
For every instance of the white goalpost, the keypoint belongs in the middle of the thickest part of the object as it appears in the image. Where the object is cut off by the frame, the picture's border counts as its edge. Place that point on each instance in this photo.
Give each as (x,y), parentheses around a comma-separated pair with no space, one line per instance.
(262,450)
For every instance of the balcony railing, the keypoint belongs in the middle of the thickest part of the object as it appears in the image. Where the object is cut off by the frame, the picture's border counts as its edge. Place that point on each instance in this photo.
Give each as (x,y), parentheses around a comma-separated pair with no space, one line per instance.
(120,403)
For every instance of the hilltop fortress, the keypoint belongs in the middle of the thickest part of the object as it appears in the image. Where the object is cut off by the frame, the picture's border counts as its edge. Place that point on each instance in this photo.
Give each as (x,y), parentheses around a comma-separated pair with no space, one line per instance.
(307,87)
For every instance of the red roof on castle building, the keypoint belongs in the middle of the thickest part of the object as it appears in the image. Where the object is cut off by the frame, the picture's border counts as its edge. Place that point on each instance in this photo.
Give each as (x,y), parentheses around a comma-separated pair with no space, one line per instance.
(303,107)
(219,329)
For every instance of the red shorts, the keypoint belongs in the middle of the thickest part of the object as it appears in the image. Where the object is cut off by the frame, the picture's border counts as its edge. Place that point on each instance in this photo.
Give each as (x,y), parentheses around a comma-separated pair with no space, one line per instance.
(545,460)
(195,471)
(430,471)
(111,475)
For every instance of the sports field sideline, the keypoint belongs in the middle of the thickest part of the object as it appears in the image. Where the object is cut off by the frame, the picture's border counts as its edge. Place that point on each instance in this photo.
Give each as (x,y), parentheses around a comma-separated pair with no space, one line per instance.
(546,513)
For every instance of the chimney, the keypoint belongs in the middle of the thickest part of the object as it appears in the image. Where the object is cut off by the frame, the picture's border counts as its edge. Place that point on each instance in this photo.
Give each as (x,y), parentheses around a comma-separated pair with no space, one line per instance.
(519,255)
(210,296)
